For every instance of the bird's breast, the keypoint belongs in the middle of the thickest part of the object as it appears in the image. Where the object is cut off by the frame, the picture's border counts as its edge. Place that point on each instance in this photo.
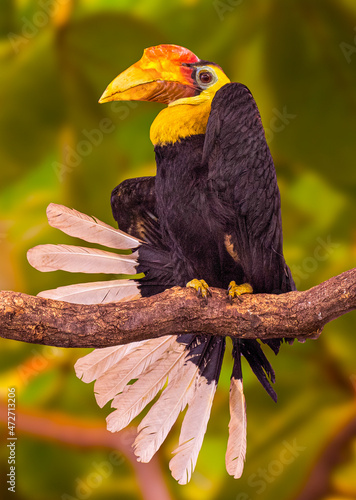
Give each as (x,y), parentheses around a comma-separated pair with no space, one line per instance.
(183,207)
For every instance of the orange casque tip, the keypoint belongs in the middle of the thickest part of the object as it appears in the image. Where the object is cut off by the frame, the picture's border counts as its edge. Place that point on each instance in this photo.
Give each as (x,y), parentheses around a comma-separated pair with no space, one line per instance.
(174,53)
(144,80)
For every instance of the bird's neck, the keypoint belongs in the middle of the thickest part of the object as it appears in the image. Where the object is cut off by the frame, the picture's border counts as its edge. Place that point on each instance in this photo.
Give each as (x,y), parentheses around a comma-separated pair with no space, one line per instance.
(178,122)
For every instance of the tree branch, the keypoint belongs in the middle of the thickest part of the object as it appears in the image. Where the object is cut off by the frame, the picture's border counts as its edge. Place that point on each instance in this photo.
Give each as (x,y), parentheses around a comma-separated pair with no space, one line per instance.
(178,310)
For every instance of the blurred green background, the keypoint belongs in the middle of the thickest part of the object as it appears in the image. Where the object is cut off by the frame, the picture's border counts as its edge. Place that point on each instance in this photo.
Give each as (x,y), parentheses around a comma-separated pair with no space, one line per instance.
(299,60)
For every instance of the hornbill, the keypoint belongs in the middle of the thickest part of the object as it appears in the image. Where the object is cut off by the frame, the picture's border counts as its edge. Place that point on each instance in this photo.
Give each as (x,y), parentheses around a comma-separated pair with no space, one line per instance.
(210,217)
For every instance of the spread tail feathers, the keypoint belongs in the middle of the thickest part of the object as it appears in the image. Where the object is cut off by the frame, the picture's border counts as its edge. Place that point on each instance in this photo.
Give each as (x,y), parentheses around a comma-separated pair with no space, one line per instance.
(192,367)
(195,383)
(196,418)
(135,397)
(261,367)
(236,445)
(114,380)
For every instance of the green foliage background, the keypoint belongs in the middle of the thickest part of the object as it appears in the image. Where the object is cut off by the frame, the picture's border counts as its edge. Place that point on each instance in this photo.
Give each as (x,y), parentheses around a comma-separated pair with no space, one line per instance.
(298,57)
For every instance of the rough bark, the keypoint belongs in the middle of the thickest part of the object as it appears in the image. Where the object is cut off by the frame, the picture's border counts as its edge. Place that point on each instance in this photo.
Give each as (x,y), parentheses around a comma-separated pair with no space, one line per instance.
(178,310)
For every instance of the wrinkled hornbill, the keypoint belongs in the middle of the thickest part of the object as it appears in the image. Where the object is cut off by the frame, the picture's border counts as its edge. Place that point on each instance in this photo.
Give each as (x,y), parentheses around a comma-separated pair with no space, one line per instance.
(210,216)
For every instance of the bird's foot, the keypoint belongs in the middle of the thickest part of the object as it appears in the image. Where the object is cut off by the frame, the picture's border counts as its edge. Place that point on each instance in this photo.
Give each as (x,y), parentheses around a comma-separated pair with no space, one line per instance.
(201,287)
(237,290)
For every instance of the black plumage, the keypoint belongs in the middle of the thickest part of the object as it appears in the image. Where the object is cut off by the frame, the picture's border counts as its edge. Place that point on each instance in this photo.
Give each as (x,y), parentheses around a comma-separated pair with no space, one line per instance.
(216,207)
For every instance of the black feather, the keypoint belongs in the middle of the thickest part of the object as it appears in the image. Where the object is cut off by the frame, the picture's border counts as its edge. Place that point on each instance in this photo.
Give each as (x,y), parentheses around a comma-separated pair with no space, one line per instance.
(259,364)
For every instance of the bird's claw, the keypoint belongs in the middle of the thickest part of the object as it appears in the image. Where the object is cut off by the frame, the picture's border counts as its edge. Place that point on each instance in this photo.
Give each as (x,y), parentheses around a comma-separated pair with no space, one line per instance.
(201,287)
(235,291)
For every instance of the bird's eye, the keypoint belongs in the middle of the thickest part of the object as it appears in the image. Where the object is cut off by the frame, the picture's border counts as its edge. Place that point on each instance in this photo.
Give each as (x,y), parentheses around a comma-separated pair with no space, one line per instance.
(205,77)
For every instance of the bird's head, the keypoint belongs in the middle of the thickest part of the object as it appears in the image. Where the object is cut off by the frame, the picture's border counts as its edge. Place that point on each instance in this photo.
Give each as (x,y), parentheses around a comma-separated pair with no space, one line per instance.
(172,75)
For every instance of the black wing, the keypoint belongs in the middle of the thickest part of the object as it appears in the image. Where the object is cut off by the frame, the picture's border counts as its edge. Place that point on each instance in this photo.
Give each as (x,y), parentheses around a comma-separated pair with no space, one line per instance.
(133,205)
(243,186)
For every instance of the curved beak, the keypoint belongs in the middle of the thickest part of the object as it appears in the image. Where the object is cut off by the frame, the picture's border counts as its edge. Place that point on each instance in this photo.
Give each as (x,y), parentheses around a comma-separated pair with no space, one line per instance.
(155,77)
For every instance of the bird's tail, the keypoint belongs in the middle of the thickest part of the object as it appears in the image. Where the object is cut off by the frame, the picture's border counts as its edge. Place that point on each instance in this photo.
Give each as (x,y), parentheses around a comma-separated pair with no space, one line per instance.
(191,366)
(186,367)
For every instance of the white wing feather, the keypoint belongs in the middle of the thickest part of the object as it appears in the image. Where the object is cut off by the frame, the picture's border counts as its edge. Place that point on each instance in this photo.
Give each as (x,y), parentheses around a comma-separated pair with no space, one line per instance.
(80,260)
(88,228)
(236,446)
(114,380)
(193,430)
(135,397)
(94,293)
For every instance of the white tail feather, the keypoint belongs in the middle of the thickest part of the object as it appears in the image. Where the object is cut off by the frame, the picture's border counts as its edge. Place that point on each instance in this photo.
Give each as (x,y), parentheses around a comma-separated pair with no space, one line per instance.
(114,380)
(80,260)
(155,426)
(135,397)
(96,363)
(94,293)
(236,446)
(193,430)
(88,228)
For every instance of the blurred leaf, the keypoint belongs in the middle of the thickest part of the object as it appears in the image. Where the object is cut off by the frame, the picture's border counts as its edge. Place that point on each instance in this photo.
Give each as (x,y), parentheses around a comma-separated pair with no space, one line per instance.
(77,474)
(7,19)
(42,384)
(324,102)
(344,479)
(92,54)
(31,106)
